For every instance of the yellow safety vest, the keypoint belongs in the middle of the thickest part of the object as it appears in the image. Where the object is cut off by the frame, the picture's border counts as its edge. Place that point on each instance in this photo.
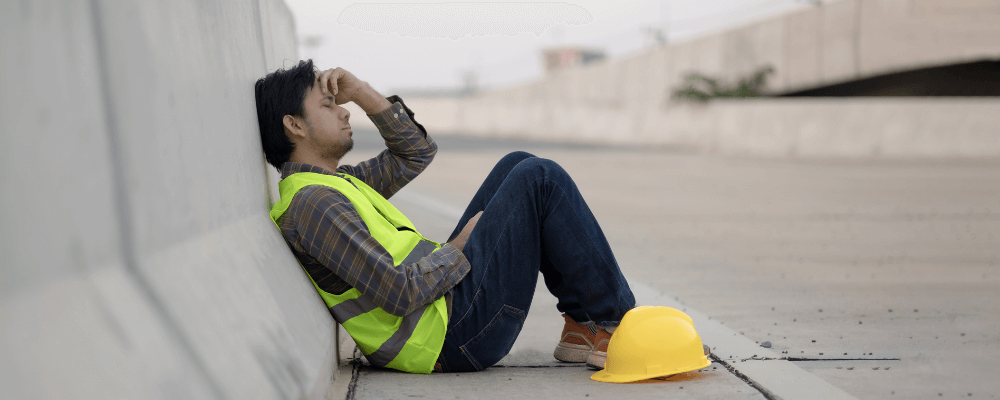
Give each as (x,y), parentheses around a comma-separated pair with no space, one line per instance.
(410,343)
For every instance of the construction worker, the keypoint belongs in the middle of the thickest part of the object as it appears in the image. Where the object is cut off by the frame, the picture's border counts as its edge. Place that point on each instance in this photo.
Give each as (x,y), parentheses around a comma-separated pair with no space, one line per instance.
(411,303)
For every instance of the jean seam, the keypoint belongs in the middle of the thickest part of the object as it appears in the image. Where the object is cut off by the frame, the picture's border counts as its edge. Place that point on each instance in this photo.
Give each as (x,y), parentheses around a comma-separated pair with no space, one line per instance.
(489,264)
(472,360)
(482,332)
(563,196)
(471,304)
(506,308)
(562,193)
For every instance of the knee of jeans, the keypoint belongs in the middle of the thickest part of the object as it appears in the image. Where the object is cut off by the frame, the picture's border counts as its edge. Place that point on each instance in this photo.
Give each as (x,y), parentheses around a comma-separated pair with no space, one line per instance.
(495,340)
(540,168)
(515,157)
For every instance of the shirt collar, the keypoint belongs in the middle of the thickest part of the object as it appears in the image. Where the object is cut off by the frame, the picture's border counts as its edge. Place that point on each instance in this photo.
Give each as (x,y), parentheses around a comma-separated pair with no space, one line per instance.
(290,167)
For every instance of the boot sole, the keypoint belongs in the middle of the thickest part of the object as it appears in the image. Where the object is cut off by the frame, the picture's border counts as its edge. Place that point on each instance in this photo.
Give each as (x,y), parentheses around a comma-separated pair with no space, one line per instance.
(568,352)
(597,359)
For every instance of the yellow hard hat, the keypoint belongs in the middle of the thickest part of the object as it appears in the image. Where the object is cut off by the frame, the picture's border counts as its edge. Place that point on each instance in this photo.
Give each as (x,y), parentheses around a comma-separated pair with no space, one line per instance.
(651,342)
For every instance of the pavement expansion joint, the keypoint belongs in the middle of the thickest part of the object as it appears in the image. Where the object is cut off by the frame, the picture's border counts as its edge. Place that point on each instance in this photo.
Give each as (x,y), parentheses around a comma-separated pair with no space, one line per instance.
(355,376)
(836,359)
(356,361)
(757,358)
(763,391)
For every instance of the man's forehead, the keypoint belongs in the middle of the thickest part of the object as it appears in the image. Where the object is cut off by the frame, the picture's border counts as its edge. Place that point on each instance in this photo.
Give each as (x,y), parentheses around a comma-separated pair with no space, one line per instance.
(313,90)
(315,94)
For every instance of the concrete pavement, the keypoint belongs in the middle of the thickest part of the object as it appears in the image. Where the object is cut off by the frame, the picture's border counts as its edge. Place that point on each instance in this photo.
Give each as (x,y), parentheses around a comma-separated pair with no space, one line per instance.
(870,279)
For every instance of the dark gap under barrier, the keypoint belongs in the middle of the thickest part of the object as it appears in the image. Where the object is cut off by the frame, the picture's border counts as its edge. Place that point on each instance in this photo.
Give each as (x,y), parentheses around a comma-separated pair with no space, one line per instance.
(971,79)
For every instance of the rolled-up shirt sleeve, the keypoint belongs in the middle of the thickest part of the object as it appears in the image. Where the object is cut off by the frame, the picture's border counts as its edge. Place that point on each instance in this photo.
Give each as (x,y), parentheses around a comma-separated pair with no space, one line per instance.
(409,150)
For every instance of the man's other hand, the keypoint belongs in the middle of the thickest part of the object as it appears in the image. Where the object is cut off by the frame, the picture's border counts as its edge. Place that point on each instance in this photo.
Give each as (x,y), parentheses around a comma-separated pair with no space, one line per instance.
(459,241)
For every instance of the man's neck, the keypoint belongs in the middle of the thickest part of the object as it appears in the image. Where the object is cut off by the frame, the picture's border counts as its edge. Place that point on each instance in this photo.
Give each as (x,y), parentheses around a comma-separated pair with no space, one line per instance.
(329,165)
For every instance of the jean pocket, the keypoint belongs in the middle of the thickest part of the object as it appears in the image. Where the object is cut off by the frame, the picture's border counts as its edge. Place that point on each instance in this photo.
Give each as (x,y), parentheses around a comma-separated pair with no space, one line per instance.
(496,339)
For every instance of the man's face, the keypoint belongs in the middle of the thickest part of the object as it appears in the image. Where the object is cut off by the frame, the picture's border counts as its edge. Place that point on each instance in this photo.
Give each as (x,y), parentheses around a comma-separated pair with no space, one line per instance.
(328,130)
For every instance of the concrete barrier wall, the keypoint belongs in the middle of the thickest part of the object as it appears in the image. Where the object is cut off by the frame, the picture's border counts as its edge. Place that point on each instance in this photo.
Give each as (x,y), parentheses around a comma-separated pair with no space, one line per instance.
(835,42)
(782,127)
(628,100)
(137,259)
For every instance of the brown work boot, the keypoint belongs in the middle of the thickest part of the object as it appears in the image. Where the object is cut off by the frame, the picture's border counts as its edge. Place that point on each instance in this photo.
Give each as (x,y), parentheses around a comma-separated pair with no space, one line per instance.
(597,357)
(579,343)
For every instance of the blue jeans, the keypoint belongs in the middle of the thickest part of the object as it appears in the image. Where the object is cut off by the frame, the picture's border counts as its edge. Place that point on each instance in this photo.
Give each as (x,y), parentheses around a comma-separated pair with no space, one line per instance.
(534,220)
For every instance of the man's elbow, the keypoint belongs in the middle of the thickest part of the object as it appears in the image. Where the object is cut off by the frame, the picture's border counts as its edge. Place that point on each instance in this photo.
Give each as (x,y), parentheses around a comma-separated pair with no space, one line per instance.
(432,146)
(431,149)
(430,152)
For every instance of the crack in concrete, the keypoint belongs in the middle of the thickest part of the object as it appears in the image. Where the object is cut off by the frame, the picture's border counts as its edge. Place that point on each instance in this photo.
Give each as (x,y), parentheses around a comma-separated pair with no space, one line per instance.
(763,391)
(746,379)
(756,358)
(355,377)
(836,359)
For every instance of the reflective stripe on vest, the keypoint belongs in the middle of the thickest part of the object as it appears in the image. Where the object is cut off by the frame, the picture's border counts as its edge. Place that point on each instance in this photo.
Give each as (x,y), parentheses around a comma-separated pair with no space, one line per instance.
(392,346)
(410,343)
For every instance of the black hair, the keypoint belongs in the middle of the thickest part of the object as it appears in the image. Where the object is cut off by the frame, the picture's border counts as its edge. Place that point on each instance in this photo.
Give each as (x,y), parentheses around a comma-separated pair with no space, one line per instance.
(278,94)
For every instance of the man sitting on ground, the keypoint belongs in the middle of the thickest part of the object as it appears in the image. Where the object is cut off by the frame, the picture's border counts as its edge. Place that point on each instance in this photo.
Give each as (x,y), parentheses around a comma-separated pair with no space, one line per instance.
(410,303)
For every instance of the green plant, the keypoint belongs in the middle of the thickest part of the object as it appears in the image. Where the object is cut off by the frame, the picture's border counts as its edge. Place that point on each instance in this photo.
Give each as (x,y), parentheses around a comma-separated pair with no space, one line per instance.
(701,88)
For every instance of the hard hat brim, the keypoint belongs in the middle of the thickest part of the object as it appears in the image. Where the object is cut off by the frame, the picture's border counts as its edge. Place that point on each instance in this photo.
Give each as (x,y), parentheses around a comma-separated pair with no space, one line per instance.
(605,376)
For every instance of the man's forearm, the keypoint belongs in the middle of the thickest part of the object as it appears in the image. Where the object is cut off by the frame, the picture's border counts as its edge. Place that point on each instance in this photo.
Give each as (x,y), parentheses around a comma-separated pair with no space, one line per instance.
(370,100)
(408,151)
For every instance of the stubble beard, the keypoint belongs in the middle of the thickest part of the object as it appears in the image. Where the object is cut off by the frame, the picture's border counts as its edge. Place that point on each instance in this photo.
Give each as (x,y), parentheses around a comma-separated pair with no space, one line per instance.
(339,151)
(335,152)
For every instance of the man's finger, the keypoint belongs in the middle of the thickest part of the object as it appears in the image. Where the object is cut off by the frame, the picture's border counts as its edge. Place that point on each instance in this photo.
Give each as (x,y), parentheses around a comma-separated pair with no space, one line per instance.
(335,79)
(325,80)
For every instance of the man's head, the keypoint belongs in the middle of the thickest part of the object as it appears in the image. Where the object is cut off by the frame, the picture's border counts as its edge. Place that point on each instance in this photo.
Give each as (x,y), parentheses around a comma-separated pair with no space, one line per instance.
(297,120)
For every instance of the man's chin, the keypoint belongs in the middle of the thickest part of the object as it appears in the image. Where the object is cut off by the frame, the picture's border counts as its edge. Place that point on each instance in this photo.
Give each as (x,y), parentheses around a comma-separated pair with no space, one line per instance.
(344,148)
(349,145)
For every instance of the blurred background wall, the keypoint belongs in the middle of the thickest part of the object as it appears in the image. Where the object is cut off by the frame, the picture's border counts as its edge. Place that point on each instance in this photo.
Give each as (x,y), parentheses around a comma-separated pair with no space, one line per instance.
(137,259)
(851,78)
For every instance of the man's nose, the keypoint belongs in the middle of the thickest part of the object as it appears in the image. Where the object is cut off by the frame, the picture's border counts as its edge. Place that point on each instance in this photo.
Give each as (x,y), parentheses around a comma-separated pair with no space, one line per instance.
(347,115)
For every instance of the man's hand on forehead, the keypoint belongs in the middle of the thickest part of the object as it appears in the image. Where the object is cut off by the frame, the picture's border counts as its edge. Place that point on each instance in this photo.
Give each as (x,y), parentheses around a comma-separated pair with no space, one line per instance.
(345,87)
(341,84)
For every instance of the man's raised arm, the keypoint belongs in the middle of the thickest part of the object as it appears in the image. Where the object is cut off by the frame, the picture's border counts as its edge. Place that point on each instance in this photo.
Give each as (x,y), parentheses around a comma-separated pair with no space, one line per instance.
(409,150)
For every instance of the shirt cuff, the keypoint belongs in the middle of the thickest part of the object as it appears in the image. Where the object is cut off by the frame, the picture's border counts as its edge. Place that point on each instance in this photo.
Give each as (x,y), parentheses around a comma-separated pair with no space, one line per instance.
(456,259)
(397,118)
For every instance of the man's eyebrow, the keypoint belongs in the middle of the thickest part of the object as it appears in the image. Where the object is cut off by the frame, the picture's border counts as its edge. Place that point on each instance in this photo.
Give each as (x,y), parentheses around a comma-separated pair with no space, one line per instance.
(327,98)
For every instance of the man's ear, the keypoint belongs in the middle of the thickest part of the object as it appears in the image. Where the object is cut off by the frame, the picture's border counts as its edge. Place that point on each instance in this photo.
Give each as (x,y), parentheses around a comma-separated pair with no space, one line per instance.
(294,127)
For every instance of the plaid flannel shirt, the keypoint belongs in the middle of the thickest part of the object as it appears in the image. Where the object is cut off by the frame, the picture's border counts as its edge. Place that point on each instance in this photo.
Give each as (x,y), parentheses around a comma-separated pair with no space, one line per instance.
(333,243)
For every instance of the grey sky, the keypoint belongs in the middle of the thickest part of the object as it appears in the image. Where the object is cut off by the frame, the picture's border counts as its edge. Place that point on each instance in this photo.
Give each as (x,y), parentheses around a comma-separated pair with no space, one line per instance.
(419,44)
